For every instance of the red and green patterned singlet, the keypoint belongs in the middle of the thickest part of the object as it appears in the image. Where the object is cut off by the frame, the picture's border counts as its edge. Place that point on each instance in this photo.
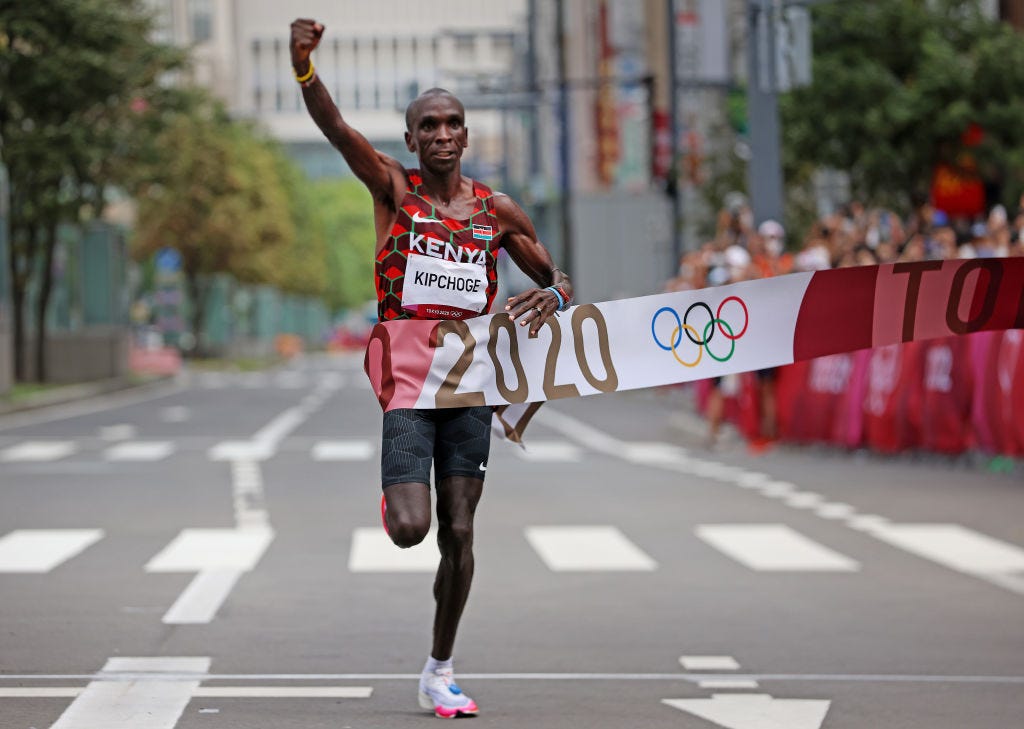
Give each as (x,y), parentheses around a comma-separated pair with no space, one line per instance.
(438,268)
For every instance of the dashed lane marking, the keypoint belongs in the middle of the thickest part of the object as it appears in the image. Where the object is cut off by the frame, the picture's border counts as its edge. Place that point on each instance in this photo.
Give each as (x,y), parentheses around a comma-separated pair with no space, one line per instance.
(154,450)
(774,548)
(38,450)
(587,549)
(41,550)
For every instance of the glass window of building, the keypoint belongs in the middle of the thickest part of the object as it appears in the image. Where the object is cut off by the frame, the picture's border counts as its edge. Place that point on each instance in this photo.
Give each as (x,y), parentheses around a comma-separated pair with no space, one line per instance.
(200,20)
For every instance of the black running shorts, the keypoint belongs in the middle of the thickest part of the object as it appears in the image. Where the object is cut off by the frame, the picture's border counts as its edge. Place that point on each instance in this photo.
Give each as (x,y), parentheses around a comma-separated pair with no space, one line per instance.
(457,440)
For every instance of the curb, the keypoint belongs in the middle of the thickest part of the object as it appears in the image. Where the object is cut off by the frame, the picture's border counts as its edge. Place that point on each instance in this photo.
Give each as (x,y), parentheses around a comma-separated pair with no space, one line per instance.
(82,391)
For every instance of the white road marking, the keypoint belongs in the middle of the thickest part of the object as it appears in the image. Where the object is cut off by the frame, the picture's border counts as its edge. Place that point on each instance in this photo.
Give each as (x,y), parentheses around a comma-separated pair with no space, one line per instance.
(209,692)
(907,678)
(199,602)
(774,547)
(830,510)
(755,711)
(175,414)
(291,380)
(343,450)
(38,450)
(123,431)
(709,663)
(284,692)
(777,489)
(152,703)
(194,550)
(804,500)
(247,492)
(154,450)
(544,451)
(220,556)
(265,441)
(600,441)
(587,549)
(373,551)
(954,546)
(40,550)
(866,522)
(727,684)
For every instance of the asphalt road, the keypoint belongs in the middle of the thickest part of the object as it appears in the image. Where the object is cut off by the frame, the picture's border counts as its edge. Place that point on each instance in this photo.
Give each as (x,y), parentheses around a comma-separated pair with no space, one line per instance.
(210,555)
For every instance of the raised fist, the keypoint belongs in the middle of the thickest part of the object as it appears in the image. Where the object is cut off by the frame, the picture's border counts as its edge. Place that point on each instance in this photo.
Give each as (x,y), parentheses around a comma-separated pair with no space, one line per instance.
(306,36)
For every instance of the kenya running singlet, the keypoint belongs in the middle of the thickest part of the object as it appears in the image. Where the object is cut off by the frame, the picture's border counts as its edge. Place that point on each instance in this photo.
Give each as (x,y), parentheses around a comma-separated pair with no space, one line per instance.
(433,268)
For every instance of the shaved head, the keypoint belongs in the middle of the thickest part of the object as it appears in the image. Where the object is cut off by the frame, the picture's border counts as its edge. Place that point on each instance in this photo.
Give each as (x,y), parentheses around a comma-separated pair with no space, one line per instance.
(412,110)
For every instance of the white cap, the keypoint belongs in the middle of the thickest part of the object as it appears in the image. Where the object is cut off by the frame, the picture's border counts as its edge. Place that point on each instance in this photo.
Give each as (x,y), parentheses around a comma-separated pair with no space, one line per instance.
(772,229)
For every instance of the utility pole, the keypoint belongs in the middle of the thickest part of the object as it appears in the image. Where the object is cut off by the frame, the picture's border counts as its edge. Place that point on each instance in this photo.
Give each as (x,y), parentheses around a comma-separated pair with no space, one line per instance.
(764,174)
(674,181)
(564,134)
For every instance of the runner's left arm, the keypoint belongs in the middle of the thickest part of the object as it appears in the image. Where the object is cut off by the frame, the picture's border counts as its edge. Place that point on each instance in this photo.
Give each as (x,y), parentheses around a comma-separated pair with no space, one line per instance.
(519,238)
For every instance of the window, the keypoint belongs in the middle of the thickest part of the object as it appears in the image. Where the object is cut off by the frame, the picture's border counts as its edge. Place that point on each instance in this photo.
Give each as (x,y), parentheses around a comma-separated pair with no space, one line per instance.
(200,20)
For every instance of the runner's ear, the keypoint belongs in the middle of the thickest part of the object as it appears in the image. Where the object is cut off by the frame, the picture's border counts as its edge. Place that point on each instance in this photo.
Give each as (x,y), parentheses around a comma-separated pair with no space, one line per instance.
(409,142)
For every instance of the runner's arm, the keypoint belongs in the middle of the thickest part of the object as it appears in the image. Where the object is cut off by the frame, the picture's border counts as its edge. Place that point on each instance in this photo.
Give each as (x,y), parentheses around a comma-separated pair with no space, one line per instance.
(519,238)
(379,172)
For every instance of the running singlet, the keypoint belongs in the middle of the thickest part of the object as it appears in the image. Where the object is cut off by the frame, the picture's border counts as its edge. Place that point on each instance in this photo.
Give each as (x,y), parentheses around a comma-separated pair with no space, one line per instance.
(434,268)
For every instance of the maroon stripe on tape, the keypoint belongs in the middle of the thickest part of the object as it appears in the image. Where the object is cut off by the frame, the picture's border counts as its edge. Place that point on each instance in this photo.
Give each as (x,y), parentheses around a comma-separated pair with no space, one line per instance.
(837,313)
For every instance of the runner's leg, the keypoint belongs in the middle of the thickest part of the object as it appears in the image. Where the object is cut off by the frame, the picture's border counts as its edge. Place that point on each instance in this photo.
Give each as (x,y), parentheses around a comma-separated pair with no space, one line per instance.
(408,512)
(457,498)
(407,449)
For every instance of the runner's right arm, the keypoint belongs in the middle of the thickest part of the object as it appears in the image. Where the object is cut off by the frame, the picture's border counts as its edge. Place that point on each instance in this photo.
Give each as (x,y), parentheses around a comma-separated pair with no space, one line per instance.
(382,175)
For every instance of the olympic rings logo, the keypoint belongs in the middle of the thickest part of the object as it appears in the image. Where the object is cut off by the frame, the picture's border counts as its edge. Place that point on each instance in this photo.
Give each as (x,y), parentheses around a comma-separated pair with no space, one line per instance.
(702,339)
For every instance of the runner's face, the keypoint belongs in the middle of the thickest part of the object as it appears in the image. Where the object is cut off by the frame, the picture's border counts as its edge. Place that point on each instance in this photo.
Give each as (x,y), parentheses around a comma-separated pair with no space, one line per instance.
(439,133)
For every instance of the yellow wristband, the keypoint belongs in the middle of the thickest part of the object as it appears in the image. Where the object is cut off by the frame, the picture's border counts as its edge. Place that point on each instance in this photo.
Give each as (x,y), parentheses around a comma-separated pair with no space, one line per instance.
(306,76)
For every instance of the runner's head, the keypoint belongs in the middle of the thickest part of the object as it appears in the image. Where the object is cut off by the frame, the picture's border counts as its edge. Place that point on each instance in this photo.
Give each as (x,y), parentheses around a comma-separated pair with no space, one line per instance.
(436,129)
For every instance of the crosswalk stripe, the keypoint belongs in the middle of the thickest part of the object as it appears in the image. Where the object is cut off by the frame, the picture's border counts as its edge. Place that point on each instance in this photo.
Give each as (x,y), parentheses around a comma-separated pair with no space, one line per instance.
(195,550)
(372,551)
(774,548)
(151,702)
(587,549)
(41,550)
(38,450)
(343,450)
(154,450)
(543,451)
(954,546)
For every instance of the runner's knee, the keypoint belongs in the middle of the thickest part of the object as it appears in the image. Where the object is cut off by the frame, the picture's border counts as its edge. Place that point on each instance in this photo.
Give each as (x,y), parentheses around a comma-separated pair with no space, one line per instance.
(406,532)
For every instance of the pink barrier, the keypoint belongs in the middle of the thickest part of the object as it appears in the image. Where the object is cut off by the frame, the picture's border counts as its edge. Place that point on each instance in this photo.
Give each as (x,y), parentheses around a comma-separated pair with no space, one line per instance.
(944,395)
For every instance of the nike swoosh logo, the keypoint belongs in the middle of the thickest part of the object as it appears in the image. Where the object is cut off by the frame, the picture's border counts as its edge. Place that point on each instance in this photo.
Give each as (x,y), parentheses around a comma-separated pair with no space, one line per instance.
(483,467)
(417,218)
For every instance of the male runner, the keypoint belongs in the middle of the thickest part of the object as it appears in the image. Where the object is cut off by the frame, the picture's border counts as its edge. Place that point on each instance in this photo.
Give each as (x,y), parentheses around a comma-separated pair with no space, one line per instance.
(438,236)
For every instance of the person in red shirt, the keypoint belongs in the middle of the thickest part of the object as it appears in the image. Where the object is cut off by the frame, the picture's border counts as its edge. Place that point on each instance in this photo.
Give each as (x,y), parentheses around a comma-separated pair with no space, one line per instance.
(438,235)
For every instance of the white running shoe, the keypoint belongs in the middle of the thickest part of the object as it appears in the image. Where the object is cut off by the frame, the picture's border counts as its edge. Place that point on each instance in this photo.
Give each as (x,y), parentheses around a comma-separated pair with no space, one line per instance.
(439,693)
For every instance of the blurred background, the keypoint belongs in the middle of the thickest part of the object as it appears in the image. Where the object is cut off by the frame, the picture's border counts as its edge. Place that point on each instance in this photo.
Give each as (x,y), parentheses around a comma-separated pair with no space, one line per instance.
(164,193)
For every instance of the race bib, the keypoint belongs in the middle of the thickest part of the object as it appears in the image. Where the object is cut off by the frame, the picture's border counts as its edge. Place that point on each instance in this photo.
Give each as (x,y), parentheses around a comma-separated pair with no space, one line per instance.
(440,289)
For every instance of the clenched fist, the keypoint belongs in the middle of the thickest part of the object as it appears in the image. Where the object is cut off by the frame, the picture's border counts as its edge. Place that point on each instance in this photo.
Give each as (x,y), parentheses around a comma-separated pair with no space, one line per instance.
(306,36)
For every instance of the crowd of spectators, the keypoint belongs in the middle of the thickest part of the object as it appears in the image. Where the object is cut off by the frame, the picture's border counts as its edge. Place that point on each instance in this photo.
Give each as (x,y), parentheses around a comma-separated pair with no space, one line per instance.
(854,235)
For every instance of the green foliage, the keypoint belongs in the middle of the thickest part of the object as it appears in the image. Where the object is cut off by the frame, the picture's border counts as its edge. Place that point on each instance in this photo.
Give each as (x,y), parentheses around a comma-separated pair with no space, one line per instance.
(896,84)
(345,210)
(70,73)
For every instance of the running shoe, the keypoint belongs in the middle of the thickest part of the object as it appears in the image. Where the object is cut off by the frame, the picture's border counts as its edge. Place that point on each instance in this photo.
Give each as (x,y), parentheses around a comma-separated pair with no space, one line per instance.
(384,513)
(439,693)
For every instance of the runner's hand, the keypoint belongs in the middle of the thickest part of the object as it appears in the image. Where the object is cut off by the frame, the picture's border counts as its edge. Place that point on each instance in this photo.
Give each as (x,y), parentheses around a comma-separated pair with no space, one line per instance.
(532,308)
(306,36)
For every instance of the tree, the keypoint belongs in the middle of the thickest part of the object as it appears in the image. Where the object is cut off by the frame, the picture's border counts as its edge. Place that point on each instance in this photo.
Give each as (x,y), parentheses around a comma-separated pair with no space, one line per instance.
(345,211)
(216,197)
(897,84)
(69,72)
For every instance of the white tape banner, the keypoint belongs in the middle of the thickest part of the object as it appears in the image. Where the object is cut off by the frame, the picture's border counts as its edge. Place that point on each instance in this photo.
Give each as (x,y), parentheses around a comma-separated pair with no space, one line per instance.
(683,336)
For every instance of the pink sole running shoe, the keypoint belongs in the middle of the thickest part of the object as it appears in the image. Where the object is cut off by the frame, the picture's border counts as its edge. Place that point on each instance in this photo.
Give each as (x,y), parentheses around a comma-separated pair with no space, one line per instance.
(439,693)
